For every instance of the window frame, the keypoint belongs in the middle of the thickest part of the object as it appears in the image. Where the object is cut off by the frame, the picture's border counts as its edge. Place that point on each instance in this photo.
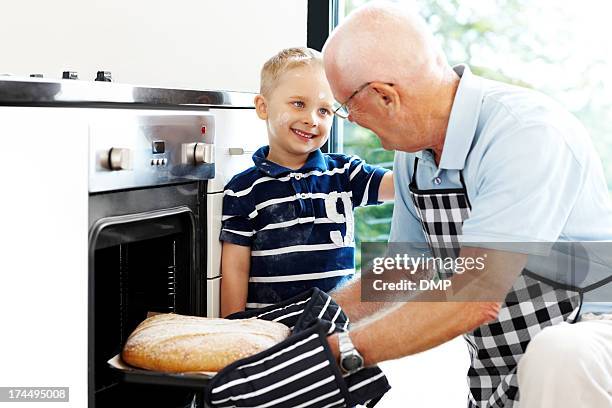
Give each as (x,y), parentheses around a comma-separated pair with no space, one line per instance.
(322,17)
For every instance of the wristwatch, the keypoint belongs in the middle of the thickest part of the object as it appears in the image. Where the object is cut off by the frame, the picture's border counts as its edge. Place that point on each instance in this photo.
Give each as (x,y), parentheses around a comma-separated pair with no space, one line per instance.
(350,359)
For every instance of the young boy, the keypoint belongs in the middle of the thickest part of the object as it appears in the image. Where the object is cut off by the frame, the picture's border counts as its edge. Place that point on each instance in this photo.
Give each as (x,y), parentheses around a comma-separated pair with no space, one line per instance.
(288,221)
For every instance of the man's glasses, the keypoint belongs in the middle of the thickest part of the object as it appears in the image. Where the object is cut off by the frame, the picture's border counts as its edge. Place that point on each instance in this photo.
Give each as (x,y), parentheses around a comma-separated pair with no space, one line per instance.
(343,110)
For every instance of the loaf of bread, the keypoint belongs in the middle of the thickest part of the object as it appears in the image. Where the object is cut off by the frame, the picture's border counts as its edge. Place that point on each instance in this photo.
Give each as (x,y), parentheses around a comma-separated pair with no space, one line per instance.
(177,344)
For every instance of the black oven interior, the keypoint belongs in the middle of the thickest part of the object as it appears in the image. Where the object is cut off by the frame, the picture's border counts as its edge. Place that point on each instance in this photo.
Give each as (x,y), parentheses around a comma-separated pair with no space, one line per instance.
(140,265)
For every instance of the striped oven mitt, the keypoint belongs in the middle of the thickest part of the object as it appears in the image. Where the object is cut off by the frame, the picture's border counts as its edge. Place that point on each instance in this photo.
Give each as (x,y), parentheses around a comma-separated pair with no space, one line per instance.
(301,311)
(300,371)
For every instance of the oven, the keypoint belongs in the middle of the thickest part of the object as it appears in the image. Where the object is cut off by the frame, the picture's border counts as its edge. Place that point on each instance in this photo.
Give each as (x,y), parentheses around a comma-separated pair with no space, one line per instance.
(140,263)
(155,199)
(148,174)
(146,166)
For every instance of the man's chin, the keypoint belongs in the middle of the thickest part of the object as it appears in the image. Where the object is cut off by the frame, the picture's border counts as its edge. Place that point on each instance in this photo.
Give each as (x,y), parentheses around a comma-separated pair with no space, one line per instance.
(395,147)
(386,145)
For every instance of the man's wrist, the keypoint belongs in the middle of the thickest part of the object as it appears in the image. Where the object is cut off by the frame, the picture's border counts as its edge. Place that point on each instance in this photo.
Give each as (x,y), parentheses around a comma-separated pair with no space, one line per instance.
(334,346)
(360,341)
(350,359)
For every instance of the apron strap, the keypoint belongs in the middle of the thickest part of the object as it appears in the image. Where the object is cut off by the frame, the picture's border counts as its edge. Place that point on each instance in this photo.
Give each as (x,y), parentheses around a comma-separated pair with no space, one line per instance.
(413,182)
(467,198)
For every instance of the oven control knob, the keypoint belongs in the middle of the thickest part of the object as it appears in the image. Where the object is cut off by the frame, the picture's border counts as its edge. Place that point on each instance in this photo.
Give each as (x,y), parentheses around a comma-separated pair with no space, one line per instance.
(103,76)
(203,153)
(120,158)
(70,75)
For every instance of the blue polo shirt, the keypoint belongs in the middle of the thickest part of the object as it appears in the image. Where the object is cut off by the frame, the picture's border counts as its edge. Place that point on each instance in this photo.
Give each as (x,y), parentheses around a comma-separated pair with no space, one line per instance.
(530,169)
(298,223)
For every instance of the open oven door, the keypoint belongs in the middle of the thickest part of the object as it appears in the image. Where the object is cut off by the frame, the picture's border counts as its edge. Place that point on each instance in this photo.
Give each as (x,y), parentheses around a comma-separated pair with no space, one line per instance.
(139,264)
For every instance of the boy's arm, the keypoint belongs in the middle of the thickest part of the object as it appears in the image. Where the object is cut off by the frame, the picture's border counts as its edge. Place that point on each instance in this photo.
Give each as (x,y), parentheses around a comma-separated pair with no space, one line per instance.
(235,266)
(366,182)
(386,191)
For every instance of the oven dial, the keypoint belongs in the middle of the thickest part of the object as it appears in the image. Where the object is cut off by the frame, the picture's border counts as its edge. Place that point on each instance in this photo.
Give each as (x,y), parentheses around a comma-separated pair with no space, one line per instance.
(203,153)
(120,158)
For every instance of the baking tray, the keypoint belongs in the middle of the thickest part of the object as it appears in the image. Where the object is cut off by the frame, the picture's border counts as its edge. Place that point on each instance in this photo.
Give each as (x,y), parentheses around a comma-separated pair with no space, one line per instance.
(193,381)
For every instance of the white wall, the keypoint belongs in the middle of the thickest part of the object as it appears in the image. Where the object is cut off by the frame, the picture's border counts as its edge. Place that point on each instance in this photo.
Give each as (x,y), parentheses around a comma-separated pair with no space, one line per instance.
(202,44)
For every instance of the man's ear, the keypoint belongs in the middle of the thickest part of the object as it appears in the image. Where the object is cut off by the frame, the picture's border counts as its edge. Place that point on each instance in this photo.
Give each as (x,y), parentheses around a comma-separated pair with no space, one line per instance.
(387,96)
(261,107)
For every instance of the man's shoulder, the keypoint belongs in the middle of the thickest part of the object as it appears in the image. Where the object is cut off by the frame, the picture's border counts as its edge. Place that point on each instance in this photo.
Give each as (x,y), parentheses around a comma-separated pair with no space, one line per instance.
(517,106)
(514,116)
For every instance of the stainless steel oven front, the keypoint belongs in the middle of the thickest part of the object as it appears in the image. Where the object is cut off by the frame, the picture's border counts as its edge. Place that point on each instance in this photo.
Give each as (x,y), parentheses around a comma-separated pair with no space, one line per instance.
(148,175)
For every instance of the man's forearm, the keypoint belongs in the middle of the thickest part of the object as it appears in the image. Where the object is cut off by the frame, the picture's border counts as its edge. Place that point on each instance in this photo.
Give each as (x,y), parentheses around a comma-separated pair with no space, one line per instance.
(349,299)
(416,327)
(419,325)
(412,328)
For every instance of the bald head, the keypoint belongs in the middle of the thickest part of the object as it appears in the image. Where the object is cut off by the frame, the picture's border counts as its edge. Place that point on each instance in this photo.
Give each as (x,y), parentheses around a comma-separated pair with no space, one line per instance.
(381,41)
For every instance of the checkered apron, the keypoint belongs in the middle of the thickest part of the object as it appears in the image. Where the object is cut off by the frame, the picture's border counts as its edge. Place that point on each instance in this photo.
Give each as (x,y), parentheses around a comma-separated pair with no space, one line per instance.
(530,306)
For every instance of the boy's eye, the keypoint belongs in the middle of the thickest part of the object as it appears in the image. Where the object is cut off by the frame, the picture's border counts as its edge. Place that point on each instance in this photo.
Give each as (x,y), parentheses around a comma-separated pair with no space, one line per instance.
(324,111)
(298,104)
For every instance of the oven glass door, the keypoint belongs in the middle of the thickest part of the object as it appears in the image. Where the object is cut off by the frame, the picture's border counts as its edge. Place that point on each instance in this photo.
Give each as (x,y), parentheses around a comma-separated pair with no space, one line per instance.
(139,264)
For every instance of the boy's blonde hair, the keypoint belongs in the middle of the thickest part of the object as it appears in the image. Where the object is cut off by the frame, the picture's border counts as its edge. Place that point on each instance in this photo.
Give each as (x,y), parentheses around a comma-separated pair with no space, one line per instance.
(283,61)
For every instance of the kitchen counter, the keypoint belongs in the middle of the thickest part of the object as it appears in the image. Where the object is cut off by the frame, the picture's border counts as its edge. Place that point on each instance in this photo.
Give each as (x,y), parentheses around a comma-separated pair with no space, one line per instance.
(20,91)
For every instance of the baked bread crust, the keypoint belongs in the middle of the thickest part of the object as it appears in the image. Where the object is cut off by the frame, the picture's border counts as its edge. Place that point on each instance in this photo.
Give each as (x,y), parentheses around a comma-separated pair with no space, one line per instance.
(177,344)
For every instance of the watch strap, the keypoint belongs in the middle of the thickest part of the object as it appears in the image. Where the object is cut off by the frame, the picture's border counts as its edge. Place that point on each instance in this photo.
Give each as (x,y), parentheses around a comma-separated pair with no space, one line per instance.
(344,342)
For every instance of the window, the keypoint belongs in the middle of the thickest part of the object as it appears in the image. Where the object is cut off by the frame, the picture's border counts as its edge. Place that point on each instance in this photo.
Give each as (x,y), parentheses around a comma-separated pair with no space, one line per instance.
(561,48)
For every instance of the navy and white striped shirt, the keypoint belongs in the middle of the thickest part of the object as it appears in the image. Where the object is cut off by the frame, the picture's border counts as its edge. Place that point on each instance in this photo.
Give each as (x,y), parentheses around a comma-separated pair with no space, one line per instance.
(298,223)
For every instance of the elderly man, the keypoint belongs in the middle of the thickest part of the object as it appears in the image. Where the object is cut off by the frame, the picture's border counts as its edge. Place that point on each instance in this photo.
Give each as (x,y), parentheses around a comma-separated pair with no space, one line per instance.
(480,161)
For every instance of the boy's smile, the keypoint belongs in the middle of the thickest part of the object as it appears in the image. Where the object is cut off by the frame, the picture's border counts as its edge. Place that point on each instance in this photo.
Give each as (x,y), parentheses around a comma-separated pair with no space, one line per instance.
(298,112)
(302,134)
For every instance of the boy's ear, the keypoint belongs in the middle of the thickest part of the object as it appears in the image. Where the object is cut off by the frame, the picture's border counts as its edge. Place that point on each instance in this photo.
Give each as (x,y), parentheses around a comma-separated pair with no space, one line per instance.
(261,107)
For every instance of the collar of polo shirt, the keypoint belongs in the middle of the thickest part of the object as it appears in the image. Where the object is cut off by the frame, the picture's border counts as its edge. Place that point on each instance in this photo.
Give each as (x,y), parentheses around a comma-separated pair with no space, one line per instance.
(315,161)
(462,122)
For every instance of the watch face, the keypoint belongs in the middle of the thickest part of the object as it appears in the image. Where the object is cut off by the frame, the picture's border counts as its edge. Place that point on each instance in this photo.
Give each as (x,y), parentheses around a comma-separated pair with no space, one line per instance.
(352,362)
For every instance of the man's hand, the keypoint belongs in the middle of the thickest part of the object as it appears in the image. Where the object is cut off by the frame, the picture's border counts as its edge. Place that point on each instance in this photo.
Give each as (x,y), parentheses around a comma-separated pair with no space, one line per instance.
(334,346)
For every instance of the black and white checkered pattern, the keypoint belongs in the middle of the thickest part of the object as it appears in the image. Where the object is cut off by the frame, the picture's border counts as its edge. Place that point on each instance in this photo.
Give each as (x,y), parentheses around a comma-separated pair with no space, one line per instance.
(529,307)
(497,347)
(441,216)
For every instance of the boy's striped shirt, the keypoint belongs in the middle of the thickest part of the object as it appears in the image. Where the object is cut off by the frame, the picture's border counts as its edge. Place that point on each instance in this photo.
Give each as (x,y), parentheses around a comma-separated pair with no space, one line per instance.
(298,223)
